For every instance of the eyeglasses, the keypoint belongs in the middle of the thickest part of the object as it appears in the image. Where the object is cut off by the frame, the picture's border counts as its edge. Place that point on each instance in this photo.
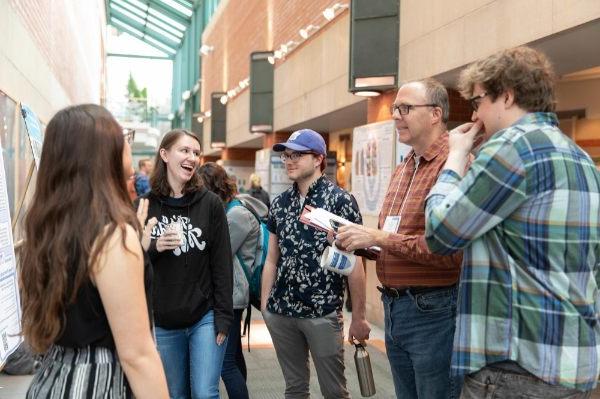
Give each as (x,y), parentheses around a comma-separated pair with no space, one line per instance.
(404,109)
(293,156)
(129,135)
(476,100)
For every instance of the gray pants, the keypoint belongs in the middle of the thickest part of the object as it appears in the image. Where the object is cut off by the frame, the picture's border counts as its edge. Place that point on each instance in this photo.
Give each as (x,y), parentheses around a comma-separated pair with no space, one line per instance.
(293,338)
(492,383)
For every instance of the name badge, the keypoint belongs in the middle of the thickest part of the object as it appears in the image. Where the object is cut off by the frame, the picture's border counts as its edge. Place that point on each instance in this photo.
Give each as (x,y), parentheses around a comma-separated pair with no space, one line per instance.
(391,224)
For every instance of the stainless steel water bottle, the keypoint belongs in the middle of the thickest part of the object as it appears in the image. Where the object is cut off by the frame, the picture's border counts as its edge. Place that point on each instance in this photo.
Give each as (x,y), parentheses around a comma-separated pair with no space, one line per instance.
(364,371)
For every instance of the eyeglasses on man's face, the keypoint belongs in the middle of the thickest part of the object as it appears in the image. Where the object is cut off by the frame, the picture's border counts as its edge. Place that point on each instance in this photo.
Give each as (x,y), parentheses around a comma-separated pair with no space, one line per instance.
(404,109)
(129,135)
(293,156)
(475,101)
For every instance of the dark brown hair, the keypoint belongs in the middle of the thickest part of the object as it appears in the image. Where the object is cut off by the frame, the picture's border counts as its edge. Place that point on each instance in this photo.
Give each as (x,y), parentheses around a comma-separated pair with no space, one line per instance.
(522,69)
(158,180)
(80,199)
(216,179)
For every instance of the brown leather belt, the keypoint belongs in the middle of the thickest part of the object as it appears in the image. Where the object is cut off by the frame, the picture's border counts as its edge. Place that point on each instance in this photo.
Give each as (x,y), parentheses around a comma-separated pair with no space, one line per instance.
(398,292)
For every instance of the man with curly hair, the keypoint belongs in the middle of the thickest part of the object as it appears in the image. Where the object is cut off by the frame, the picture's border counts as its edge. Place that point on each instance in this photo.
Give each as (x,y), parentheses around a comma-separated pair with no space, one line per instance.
(527,216)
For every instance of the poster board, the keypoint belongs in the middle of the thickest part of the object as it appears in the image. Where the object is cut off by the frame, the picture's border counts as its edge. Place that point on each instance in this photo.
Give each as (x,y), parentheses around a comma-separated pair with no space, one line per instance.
(279,179)
(34,131)
(10,304)
(373,160)
(262,168)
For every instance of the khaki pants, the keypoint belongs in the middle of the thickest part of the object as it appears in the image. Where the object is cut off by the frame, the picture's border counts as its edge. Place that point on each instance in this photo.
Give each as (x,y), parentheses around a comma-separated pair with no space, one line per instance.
(293,338)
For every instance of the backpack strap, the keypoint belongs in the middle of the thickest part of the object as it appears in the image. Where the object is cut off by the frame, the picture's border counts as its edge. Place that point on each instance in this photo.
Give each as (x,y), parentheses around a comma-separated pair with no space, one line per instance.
(233,203)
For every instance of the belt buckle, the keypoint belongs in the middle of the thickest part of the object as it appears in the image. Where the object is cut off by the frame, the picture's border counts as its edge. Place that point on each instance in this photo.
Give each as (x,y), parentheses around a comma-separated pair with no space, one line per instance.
(389,291)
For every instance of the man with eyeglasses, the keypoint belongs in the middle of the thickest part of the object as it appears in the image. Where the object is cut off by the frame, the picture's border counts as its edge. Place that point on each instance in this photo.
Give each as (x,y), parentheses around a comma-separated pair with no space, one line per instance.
(302,302)
(527,216)
(418,289)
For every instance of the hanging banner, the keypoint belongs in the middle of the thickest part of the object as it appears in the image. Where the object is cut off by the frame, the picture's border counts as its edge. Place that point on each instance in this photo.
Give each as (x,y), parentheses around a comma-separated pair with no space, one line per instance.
(10,305)
(34,131)
(372,163)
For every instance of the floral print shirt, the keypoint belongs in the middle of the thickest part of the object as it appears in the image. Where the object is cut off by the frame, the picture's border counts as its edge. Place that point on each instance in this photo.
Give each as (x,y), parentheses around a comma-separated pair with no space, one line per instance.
(302,288)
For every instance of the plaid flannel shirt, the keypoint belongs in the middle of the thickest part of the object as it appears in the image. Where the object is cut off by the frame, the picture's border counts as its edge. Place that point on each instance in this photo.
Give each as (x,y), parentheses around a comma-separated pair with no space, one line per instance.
(526,216)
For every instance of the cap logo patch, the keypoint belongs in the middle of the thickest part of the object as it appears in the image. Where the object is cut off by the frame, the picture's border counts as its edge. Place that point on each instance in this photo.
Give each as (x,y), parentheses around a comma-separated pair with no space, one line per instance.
(294,136)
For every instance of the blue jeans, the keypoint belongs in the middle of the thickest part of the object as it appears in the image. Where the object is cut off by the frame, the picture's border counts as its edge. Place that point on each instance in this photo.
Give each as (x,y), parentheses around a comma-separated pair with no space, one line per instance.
(192,359)
(234,366)
(419,334)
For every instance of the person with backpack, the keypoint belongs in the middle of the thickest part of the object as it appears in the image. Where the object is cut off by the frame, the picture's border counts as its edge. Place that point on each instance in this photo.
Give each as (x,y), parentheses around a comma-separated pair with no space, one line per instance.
(245,232)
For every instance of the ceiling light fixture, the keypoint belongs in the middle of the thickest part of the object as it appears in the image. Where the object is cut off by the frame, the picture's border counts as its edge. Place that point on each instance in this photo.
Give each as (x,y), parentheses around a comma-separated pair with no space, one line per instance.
(329,12)
(205,49)
(367,93)
(305,32)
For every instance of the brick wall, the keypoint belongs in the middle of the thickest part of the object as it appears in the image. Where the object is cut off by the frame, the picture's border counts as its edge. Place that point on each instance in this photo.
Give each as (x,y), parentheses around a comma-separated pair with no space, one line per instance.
(241,28)
(70,36)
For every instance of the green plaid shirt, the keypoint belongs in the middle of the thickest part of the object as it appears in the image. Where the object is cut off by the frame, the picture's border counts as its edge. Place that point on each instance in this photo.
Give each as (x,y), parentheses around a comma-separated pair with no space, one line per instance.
(526,216)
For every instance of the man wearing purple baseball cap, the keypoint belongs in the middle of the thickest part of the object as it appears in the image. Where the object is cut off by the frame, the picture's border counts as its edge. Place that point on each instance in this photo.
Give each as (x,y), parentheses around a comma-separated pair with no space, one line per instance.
(300,301)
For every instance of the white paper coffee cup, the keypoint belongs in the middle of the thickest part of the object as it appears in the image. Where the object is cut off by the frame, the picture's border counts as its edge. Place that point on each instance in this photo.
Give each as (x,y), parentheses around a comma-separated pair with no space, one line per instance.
(338,261)
(177,227)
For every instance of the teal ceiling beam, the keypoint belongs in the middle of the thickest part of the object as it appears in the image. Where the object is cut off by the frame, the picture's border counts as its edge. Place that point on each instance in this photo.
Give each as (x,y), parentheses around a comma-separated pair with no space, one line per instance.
(162,11)
(132,32)
(170,12)
(151,57)
(145,30)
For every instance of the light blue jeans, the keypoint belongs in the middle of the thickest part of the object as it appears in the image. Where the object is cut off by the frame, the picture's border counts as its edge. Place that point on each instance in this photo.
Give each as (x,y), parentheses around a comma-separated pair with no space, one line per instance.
(192,359)
(419,333)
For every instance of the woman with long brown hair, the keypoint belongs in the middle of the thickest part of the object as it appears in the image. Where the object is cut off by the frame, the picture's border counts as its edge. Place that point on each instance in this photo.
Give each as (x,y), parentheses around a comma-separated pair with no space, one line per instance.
(191,259)
(83,277)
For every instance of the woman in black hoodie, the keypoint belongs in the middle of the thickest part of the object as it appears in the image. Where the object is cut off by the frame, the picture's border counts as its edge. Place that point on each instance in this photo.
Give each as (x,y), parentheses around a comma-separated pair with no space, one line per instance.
(192,264)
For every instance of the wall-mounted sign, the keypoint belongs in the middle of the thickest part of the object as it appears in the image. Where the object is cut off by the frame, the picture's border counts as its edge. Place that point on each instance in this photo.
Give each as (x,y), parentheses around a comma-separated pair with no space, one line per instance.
(34,131)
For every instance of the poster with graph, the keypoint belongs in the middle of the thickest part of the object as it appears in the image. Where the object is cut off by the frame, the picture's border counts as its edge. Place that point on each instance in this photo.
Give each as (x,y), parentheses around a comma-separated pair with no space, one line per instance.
(372,163)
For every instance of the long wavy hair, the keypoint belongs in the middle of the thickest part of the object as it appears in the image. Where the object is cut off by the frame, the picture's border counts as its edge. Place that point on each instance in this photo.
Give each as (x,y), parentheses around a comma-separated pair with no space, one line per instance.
(80,199)
(158,181)
(216,179)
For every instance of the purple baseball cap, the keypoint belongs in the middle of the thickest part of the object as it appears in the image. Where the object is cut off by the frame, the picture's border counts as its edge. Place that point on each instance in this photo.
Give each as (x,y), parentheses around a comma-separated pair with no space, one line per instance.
(303,140)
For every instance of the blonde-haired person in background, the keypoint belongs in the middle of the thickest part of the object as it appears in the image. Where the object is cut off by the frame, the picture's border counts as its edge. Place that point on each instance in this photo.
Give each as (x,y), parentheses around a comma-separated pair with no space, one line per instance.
(257,191)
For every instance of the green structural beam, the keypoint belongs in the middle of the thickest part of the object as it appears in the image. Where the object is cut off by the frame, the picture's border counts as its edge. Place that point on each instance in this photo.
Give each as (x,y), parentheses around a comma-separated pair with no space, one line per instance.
(170,12)
(185,22)
(150,57)
(145,30)
(126,28)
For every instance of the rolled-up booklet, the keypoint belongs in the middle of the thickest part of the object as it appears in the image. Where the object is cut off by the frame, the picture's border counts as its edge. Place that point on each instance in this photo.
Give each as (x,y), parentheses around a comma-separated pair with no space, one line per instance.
(328,222)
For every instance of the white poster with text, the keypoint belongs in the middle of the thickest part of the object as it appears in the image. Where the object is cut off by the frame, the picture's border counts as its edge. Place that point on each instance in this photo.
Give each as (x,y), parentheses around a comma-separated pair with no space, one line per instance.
(10,305)
(372,162)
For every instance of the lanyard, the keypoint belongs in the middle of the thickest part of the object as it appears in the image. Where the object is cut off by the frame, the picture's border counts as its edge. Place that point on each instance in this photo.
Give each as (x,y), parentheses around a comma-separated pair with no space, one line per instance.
(417,159)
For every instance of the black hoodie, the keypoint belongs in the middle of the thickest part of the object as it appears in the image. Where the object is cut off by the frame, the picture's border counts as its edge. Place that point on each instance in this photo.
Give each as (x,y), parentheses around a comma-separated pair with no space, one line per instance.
(197,276)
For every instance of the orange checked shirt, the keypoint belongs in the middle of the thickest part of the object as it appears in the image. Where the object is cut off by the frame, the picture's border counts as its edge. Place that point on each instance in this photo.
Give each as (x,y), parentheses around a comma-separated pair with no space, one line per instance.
(405,259)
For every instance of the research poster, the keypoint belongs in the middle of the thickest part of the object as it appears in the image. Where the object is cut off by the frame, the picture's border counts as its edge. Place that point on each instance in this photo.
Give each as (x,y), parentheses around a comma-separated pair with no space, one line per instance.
(34,131)
(262,169)
(10,305)
(279,179)
(372,162)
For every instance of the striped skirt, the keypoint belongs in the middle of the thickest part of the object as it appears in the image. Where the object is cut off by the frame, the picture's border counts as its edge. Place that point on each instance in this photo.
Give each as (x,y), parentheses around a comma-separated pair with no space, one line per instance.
(91,372)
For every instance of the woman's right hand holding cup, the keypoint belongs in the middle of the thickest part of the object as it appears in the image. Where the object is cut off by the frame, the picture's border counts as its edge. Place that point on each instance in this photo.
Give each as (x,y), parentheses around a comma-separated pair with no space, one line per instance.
(169,240)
